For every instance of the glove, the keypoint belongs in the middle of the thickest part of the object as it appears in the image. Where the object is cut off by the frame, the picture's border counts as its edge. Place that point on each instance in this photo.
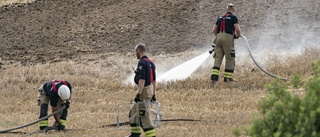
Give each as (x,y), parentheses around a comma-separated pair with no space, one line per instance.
(67,104)
(153,99)
(60,127)
(235,36)
(38,101)
(137,98)
(39,96)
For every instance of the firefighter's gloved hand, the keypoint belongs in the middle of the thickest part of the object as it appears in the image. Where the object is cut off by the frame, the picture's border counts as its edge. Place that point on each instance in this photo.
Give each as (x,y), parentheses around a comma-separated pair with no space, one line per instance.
(67,104)
(39,96)
(153,99)
(38,101)
(137,98)
(60,127)
(235,36)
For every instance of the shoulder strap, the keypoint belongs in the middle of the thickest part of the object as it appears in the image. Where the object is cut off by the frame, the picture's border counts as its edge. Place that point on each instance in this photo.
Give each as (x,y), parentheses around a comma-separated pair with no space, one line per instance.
(151,69)
(53,83)
(147,59)
(223,22)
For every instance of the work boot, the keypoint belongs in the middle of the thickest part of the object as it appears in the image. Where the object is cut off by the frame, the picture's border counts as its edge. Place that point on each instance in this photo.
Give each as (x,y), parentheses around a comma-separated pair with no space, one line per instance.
(214,79)
(229,80)
(43,127)
(134,135)
(213,82)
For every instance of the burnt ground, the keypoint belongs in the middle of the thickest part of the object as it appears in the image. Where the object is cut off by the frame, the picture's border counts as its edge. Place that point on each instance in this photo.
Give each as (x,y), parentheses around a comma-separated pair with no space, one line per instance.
(57,30)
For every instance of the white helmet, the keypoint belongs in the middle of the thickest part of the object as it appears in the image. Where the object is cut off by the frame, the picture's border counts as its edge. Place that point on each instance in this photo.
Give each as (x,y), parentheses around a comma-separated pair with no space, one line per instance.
(64,92)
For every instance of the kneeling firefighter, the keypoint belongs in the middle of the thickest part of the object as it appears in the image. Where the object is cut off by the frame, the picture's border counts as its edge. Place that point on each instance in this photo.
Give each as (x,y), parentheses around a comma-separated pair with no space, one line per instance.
(58,93)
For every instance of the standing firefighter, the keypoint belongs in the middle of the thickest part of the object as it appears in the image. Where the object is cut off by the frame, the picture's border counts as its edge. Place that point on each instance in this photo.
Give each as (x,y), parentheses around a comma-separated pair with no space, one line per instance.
(225,30)
(58,93)
(145,79)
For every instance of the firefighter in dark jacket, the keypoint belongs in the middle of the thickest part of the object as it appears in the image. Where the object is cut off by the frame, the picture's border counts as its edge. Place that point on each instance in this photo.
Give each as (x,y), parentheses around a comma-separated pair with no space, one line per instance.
(57,93)
(225,30)
(145,79)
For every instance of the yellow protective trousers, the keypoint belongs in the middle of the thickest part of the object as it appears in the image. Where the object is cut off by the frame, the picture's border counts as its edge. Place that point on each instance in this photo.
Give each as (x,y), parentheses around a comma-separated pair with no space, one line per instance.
(44,101)
(140,115)
(224,48)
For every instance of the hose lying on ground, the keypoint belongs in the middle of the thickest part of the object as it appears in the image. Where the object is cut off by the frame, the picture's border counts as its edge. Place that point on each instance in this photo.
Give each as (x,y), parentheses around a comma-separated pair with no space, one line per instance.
(109,125)
(34,122)
(163,120)
(255,62)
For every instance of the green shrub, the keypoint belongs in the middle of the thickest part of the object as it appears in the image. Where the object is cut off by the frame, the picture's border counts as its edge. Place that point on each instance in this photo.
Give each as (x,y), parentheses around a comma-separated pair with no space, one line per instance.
(283,114)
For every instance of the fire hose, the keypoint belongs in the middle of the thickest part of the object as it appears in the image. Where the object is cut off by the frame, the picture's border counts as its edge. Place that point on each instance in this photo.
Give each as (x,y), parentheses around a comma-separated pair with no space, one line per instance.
(254,61)
(34,122)
(63,107)
(162,120)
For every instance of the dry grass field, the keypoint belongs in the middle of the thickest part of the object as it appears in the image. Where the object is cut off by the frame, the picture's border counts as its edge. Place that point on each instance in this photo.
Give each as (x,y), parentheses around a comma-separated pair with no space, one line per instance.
(5,2)
(98,89)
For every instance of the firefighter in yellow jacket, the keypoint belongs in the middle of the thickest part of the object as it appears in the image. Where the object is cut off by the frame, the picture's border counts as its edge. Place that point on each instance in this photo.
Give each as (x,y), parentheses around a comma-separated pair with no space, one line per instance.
(145,79)
(225,30)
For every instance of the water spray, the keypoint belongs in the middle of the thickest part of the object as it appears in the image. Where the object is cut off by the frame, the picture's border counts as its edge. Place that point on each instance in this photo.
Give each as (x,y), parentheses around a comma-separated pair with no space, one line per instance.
(255,62)
(184,70)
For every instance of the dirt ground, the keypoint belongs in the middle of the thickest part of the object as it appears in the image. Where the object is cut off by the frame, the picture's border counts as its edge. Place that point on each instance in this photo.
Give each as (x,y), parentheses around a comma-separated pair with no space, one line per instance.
(52,31)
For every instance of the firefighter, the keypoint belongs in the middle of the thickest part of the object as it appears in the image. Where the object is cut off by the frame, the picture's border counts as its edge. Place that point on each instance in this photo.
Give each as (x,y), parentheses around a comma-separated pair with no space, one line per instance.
(225,30)
(58,93)
(145,78)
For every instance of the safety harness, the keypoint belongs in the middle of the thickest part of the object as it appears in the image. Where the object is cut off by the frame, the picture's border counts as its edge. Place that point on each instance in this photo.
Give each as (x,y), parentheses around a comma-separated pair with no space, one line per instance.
(53,83)
(223,23)
(151,69)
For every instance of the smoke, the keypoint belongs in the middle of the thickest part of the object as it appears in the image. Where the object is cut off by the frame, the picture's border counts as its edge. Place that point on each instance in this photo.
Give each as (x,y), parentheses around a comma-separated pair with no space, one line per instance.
(287,30)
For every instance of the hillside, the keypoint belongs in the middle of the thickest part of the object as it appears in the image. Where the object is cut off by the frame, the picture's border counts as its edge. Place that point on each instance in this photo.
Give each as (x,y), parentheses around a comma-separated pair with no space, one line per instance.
(52,31)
